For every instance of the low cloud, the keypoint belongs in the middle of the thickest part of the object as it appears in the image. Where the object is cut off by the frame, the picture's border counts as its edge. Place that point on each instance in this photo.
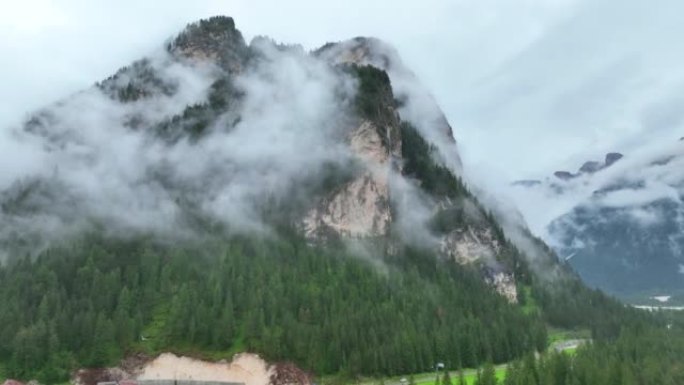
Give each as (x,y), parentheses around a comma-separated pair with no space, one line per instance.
(80,161)
(98,162)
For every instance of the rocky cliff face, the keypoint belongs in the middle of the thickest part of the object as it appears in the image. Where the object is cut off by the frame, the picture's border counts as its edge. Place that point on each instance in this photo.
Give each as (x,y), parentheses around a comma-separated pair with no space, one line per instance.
(471,245)
(467,244)
(415,103)
(361,207)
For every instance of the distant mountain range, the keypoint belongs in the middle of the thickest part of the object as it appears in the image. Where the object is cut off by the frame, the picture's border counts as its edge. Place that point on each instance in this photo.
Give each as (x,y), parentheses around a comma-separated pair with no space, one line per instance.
(624,231)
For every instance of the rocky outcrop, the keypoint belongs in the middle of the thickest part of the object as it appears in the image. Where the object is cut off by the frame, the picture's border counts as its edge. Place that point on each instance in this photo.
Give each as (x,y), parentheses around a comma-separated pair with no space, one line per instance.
(468,245)
(215,39)
(368,146)
(479,245)
(504,283)
(360,208)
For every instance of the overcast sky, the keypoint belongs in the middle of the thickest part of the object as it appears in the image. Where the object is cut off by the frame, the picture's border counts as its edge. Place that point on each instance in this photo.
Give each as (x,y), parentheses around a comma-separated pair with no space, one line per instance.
(530,86)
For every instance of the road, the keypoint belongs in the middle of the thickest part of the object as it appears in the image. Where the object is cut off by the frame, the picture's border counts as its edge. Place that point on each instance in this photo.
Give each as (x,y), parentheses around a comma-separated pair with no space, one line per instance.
(424,378)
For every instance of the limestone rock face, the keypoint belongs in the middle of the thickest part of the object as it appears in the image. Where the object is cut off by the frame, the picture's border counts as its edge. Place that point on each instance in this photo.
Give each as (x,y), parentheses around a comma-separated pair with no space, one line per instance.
(367,144)
(468,245)
(361,208)
(473,245)
(504,284)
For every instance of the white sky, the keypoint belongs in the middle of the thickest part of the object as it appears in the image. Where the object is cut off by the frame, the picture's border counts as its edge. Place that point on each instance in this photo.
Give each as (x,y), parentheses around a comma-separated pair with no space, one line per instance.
(530,86)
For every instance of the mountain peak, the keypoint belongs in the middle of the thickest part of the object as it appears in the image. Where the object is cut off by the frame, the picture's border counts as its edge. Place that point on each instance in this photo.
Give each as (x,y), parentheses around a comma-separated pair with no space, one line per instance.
(590,167)
(216,39)
(613,157)
(382,55)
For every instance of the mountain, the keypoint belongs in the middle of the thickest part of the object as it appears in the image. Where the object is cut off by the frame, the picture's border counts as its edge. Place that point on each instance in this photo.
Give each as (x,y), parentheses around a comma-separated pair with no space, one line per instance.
(590,167)
(215,131)
(622,230)
(219,197)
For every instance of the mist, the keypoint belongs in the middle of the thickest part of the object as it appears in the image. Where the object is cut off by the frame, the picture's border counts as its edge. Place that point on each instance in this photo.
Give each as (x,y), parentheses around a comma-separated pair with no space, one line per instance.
(79,162)
(116,162)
